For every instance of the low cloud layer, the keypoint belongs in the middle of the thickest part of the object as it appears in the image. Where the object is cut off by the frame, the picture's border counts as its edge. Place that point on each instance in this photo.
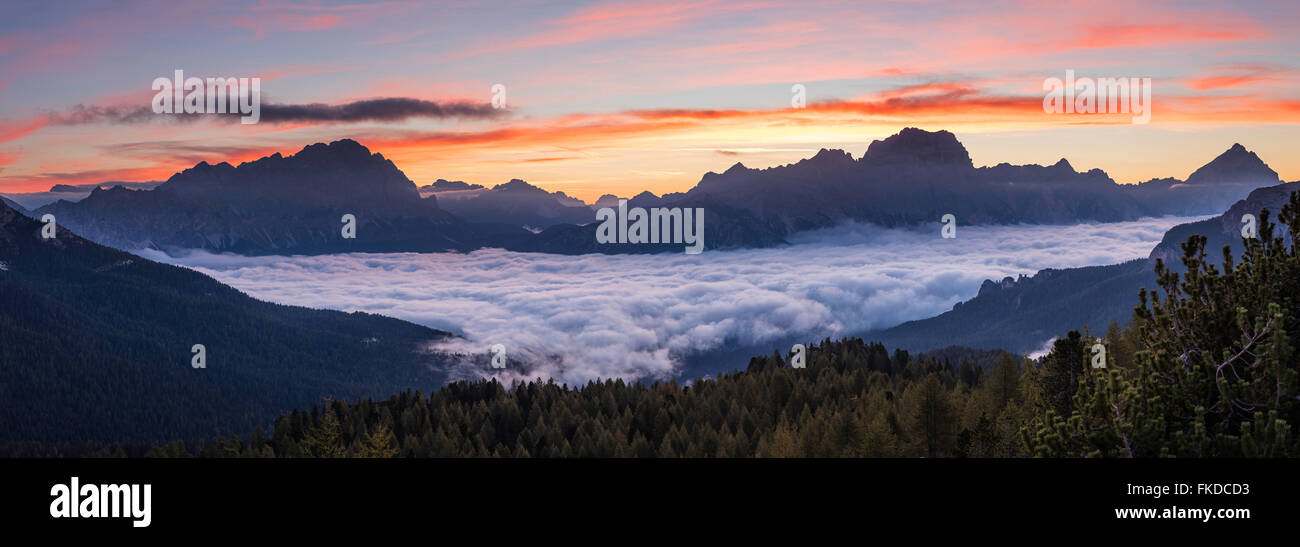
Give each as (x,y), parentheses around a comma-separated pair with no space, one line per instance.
(575,318)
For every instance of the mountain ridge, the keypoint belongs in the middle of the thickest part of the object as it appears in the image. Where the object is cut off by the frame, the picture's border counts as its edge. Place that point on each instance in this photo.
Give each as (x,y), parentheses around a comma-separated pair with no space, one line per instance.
(1030,310)
(292,204)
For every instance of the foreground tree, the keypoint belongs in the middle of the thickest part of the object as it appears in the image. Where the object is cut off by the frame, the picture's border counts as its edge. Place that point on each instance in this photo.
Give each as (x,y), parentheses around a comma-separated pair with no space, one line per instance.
(1216,370)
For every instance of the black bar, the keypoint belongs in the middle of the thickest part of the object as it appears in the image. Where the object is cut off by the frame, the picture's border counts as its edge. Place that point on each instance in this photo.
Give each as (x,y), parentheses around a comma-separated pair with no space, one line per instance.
(290,496)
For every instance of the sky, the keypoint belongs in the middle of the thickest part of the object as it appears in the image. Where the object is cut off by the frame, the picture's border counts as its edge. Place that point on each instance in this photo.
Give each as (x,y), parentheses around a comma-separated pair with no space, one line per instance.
(619,97)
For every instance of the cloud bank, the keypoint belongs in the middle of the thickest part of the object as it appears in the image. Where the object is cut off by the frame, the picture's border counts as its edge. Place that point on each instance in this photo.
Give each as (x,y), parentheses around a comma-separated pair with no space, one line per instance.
(576,318)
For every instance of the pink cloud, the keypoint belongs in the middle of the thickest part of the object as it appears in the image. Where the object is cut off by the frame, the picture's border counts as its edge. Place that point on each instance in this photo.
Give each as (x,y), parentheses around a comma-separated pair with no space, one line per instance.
(1113,35)
(14,130)
(292,17)
(1238,76)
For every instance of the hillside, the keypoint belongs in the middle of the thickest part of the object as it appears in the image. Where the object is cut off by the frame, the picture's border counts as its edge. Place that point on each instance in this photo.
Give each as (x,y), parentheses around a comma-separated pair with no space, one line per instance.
(1020,315)
(96,345)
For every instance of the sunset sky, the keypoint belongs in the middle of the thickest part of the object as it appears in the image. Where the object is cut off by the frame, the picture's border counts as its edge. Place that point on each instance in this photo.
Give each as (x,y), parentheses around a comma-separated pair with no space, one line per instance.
(619,97)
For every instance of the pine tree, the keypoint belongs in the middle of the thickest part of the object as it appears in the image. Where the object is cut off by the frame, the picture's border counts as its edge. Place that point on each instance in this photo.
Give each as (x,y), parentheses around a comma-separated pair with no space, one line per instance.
(933,418)
(324,440)
(380,443)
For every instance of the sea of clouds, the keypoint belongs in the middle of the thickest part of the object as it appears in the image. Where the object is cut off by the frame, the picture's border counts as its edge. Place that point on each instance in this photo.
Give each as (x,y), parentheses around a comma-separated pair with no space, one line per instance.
(577,318)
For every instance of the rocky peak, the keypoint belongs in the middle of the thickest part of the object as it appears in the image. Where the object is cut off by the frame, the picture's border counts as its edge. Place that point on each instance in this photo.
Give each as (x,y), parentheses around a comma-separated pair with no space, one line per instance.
(914,147)
(1235,166)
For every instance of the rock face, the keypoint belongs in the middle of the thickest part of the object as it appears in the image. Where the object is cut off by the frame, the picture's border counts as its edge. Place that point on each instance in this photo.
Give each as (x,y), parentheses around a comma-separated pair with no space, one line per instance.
(278,205)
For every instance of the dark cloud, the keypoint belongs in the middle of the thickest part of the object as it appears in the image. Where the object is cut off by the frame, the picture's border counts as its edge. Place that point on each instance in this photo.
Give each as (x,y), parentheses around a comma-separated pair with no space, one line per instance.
(368,110)
(381,110)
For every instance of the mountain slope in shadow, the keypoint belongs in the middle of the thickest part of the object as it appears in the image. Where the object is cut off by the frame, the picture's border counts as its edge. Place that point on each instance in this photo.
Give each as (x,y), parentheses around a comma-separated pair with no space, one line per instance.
(96,344)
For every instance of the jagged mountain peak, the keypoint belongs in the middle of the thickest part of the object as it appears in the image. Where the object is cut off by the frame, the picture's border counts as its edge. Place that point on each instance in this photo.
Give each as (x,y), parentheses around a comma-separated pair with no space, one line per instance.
(830,155)
(1237,165)
(343,169)
(736,168)
(913,147)
(339,147)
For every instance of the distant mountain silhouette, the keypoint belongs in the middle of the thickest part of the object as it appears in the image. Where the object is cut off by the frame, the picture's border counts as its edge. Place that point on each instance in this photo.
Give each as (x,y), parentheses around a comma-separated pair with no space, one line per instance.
(1214,186)
(69,192)
(443,185)
(914,148)
(279,205)
(283,205)
(519,203)
(606,200)
(96,345)
(568,200)
(917,176)
(1236,166)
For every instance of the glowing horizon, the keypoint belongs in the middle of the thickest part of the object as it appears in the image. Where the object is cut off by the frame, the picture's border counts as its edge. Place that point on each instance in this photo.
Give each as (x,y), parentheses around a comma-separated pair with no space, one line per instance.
(619,97)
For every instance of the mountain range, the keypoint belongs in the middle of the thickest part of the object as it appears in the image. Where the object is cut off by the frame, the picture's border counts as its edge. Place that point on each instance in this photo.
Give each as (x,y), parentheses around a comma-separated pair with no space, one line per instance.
(293,204)
(280,205)
(917,176)
(98,341)
(70,192)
